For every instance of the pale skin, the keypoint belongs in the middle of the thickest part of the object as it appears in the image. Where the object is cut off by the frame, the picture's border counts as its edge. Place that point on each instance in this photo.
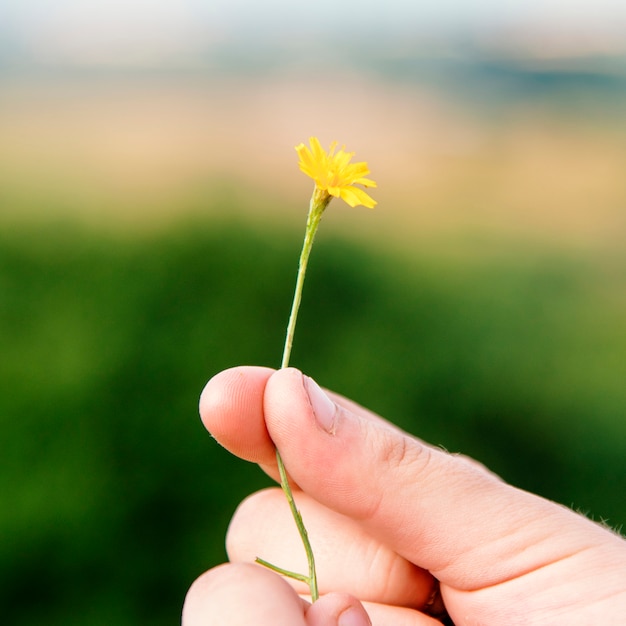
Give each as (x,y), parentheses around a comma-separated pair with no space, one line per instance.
(388,515)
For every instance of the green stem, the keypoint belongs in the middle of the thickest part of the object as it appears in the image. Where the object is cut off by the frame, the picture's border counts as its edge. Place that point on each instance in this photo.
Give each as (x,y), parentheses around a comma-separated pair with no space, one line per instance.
(319,201)
(283,572)
(311,579)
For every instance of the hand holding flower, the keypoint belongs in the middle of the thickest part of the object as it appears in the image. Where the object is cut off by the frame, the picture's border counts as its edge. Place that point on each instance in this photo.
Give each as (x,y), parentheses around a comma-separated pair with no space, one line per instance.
(389,516)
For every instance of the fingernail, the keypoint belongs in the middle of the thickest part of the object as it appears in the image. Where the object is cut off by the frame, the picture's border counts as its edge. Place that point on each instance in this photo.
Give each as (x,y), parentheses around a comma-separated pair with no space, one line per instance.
(354,616)
(323,407)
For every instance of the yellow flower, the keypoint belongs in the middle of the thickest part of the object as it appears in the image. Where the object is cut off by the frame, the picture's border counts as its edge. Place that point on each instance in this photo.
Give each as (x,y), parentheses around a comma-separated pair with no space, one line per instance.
(334,174)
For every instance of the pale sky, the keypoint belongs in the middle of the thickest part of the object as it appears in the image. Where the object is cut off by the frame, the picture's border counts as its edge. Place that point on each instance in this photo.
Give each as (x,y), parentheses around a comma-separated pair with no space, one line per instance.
(166,28)
(328,12)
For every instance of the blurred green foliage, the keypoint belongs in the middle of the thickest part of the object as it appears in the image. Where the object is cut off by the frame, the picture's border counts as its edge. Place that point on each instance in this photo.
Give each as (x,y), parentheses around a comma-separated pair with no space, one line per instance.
(114,498)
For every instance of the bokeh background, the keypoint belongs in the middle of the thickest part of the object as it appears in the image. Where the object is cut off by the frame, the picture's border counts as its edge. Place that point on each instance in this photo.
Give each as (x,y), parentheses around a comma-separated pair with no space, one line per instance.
(151,215)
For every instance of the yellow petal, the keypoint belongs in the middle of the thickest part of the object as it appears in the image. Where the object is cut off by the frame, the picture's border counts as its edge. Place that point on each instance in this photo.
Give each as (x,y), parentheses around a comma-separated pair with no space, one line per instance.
(366,182)
(355,196)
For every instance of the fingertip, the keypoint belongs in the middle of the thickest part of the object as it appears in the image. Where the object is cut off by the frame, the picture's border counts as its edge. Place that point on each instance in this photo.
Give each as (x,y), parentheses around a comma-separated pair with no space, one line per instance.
(231,409)
(197,595)
(286,401)
(288,376)
(337,609)
(240,593)
(228,387)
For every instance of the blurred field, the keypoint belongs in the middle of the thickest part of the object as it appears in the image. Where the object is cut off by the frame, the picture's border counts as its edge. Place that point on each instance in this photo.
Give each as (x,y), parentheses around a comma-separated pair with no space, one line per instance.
(114,497)
(149,234)
(124,152)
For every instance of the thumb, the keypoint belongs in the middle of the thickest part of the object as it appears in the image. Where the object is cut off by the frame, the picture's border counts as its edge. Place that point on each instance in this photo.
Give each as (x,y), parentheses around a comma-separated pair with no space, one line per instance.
(440,511)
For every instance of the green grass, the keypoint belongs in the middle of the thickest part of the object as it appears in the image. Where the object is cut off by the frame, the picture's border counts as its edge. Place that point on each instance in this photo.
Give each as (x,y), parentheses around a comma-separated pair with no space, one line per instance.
(114,496)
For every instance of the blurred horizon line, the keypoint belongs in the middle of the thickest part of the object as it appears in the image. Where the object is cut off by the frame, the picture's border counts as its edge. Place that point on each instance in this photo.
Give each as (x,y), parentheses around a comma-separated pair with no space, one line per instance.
(601,48)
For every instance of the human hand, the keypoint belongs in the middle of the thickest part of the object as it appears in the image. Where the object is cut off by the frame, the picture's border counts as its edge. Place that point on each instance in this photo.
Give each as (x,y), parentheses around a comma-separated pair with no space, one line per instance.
(388,516)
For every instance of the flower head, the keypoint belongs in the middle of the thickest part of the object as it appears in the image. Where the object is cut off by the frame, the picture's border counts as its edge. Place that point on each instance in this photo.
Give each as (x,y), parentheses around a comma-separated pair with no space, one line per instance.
(334,174)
